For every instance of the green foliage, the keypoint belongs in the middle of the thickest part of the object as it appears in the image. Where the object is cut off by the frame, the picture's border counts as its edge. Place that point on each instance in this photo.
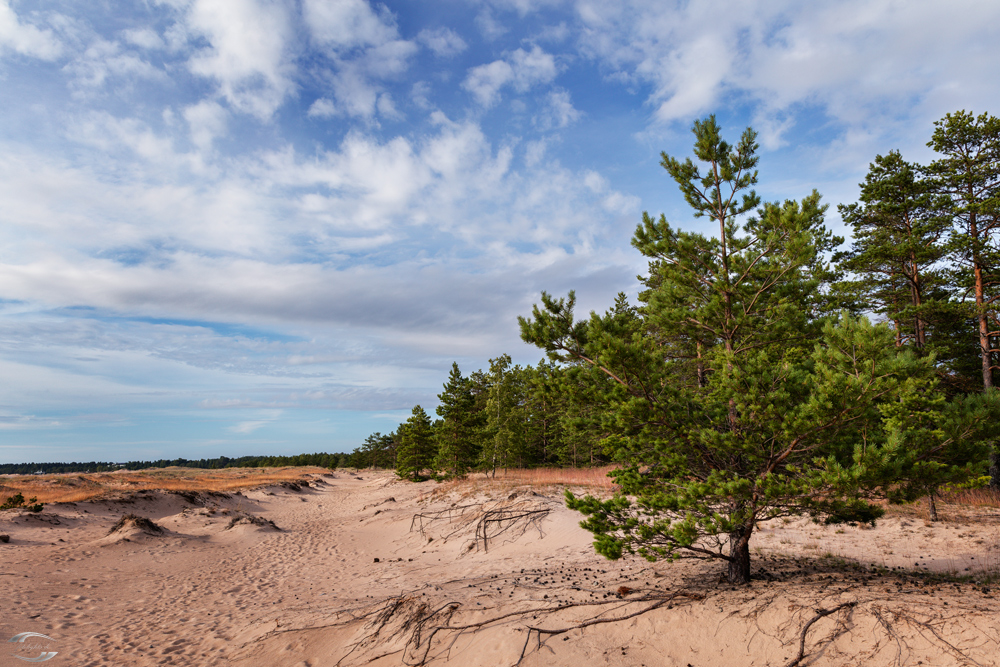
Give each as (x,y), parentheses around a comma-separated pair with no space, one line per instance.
(734,395)
(17,502)
(967,175)
(459,433)
(416,447)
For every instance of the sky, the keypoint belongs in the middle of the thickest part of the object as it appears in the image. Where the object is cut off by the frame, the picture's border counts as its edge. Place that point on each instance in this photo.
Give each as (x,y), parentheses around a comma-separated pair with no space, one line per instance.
(233,227)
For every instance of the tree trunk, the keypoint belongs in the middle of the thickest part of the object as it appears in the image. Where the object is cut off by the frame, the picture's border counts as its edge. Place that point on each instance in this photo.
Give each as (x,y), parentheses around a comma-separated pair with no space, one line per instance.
(987,358)
(739,555)
(701,368)
(995,467)
(932,506)
(984,329)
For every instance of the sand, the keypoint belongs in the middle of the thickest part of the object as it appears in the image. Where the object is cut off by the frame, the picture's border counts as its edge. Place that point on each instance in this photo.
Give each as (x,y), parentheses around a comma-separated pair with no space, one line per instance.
(363,569)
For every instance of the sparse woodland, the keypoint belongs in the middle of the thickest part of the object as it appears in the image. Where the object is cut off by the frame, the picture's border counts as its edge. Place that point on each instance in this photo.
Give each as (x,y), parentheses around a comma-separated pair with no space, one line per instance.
(767,370)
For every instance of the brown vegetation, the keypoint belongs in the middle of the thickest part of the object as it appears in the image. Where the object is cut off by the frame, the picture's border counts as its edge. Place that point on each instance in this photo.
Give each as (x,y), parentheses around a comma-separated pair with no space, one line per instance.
(78,487)
(594,480)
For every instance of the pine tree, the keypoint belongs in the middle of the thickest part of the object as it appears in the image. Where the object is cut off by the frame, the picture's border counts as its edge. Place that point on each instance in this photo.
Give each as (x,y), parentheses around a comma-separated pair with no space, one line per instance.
(968,173)
(416,447)
(505,428)
(458,434)
(899,228)
(736,398)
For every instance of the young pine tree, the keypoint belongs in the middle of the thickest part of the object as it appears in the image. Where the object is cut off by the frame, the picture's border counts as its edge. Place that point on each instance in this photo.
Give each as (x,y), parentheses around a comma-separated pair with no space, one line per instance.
(417,447)
(736,399)
(458,435)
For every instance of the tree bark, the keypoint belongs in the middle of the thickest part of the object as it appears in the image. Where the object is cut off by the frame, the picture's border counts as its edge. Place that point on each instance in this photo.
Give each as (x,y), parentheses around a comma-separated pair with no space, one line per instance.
(739,555)
(984,328)
(987,357)
(932,506)
(995,467)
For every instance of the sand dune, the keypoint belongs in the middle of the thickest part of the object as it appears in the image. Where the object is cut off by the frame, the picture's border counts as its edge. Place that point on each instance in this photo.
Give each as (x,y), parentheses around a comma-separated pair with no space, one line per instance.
(359,568)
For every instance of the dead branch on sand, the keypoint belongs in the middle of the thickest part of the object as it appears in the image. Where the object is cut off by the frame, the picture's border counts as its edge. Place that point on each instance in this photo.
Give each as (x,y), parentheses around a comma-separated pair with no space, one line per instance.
(422,632)
(820,613)
(504,518)
(495,523)
(415,624)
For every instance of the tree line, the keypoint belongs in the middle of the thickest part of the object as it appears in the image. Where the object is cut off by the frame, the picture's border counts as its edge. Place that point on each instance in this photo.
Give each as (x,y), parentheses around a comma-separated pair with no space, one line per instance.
(507,416)
(320,459)
(766,371)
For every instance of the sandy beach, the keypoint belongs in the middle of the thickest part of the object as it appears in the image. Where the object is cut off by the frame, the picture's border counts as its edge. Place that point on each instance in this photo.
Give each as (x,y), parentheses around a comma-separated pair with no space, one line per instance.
(359,568)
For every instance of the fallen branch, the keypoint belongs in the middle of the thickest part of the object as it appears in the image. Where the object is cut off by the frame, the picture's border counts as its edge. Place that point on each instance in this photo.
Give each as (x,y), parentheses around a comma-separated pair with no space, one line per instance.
(503,520)
(821,613)
(491,520)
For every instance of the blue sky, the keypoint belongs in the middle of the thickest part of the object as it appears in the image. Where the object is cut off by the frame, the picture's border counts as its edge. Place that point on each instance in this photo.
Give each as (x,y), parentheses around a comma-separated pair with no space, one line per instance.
(269,226)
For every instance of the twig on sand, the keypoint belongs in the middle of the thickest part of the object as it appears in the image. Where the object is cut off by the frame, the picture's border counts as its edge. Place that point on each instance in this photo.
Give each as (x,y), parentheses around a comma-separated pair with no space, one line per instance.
(492,520)
(495,523)
(417,624)
(820,613)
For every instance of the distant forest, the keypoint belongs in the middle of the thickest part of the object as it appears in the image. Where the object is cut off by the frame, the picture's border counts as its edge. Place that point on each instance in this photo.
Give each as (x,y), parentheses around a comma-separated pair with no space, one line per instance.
(322,459)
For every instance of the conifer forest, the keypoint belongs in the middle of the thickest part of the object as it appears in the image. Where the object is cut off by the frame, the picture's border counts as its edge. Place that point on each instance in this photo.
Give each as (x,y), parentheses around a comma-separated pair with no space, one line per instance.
(767,369)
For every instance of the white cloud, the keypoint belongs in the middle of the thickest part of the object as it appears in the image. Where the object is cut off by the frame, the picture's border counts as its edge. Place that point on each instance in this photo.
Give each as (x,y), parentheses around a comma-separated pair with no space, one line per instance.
(26,39)
(322,108)
(524,7)
(144,37)
(532,68)
(485,81)
(489,26)
(863,63)
(229,243)
(356,84)
(420,94)
(103,60)
(246,427)
(559,111)
(522,70)
(249,52)
(386,107)
(207,121)
(364,50)
(442,41)
(347,24)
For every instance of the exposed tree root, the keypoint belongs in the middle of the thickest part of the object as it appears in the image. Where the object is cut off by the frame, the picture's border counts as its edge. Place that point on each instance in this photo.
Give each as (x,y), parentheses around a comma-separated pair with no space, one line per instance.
(495,523)
(487,521)
(418,629)
(419,632)
(820,613)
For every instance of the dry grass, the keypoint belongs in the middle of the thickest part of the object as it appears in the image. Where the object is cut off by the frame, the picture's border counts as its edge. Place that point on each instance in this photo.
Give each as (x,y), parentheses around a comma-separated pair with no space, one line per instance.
(596,478)
(985,497)
(590,480)
(961,506)
(78,487)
